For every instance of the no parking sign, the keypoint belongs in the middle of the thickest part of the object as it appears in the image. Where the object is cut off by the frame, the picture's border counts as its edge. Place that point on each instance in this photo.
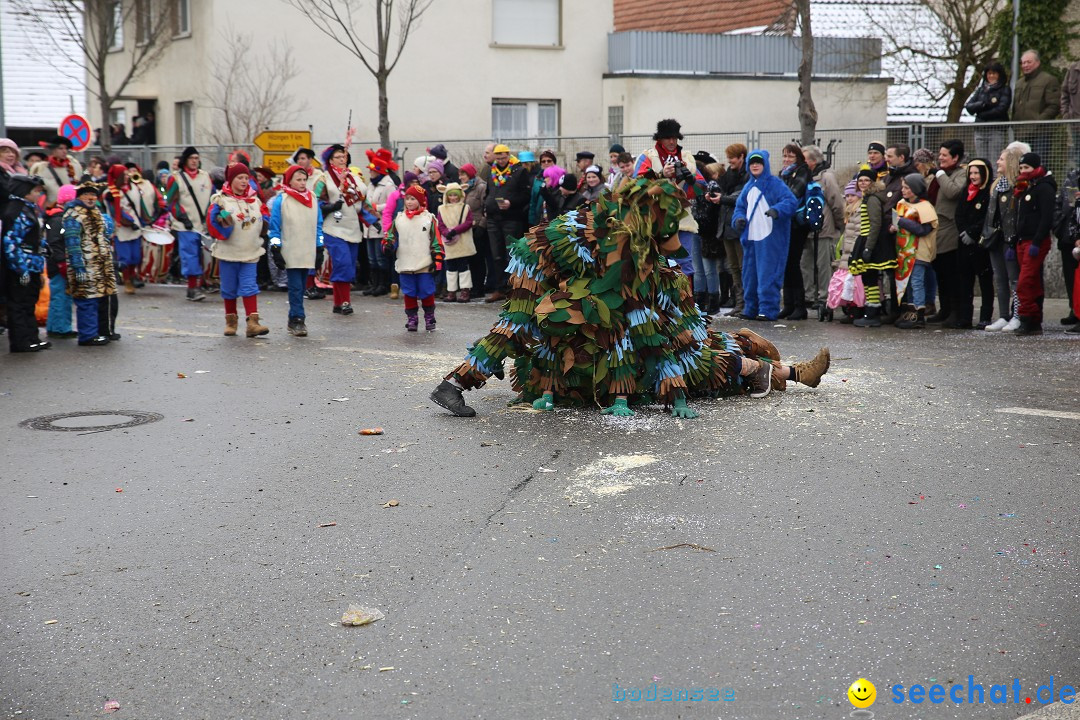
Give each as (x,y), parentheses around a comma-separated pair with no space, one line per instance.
(76,128)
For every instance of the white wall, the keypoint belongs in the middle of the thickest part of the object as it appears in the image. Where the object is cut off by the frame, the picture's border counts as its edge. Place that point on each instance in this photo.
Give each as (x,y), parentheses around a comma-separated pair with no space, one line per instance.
(441,89)
(719,104)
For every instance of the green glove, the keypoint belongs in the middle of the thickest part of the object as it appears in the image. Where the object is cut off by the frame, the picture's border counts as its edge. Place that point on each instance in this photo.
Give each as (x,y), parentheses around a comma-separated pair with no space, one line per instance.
(618,409)
(544,402)
(679,410)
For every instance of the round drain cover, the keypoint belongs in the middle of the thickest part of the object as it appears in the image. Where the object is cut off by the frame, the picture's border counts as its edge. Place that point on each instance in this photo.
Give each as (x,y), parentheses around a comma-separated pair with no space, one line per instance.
(125,419)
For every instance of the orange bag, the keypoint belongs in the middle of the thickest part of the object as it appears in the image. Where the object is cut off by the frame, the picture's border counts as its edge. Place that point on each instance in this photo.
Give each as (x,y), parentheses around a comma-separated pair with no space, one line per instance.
(41,310)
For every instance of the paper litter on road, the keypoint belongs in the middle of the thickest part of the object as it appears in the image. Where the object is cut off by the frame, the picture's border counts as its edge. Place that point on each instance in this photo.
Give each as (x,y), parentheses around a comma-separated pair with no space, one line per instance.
(356,616)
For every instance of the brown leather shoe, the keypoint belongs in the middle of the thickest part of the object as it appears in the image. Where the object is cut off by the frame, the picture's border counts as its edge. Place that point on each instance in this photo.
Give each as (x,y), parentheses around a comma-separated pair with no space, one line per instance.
(809,372)
(254,329)
(231,321)
(497,296)
(758,345)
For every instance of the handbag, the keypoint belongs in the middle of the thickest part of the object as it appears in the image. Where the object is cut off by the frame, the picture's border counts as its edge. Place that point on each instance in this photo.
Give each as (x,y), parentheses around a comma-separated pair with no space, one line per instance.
(991,241)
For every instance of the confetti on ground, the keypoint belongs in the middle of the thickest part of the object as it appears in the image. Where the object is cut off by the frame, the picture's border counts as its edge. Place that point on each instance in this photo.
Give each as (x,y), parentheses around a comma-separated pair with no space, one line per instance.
(51,622)
(180,376)
(329,524)
(356,616)
(111,706)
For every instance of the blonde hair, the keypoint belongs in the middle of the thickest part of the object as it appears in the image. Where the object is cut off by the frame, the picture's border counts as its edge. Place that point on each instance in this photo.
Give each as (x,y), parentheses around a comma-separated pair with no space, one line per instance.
(1012,162)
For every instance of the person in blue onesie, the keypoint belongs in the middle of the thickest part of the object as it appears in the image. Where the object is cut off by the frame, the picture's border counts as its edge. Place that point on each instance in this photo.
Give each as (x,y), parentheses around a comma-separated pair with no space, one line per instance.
(762,217)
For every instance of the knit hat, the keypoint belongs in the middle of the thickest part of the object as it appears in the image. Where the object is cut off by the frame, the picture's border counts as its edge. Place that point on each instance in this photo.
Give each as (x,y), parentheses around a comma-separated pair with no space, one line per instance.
(616,148)
(668,129)
(917,183)
(526,156)
(1031,159)
(594,169)
(879,147)
(549,154)
(9,143)
(188,152)
(20,185)
(293,169)
(438,151)
(415,191)
(923,156)
(453,188)
(115,171)
(851,188)
(328,152)
(161,165)
(467,169)
(569,181)
(585,155)
(235,170)
(65,194)
(409,178)
(436,165)
(868,173)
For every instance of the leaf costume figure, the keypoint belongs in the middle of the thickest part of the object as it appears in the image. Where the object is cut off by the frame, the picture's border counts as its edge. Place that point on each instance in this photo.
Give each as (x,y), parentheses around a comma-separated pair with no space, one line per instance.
(599,313)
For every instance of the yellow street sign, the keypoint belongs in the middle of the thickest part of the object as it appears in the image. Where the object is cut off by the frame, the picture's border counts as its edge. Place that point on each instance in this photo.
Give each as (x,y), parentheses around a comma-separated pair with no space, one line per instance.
(278,163)
(281,141)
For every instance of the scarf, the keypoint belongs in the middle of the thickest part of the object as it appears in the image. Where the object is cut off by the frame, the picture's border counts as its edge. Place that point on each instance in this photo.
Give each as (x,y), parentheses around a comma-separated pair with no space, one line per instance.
(346,184)
(65,163)
(14,169)
(248,197)
(1002,184)
(666,158)
(413,213)
(973,191)
(304,197)
(1026,178)
(499,177)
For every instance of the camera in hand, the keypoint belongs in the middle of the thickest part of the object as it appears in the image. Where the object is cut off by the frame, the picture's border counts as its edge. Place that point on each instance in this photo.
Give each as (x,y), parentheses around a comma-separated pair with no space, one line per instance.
(683,174)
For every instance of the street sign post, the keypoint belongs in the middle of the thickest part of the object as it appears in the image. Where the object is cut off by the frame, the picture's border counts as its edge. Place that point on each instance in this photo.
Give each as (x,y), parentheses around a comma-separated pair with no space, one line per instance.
(282,141)
(76,128)
(277,162)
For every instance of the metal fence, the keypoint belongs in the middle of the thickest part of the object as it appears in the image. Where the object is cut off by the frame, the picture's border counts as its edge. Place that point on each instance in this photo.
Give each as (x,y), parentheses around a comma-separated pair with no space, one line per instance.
(1057,141)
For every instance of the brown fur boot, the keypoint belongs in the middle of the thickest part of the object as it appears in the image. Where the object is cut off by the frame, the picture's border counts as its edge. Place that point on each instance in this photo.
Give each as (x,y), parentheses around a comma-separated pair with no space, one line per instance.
(809,372)
(230,324)
(253,327)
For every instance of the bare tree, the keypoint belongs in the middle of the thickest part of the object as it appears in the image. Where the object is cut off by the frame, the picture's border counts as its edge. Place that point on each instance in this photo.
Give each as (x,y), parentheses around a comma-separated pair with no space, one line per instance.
(347,24)
(243,99)
(938,46)
(808,116)
(99,30)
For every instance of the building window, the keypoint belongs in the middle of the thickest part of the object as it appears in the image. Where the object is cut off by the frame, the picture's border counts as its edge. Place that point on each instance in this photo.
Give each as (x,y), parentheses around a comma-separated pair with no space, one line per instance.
(185,123)
(524,118)
(116,41)
(615,120)
(527,22)
(144,22)
(182,18)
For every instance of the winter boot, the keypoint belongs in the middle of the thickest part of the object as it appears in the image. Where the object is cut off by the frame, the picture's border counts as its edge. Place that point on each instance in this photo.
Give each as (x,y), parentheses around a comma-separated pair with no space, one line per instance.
(944,315)
(738,306)
(395,291)
(891,312)
(702,301)
(297,327)
(129,284)
(448,396)
(872,318)
(809,372)
(231,321)
(451,296)
(411,320)
(463,295)
(799,312)
(254,329)
(714,303)
(725,289)
(851,315)
(759,346)
(429,319)
(913,319)
(1029,326)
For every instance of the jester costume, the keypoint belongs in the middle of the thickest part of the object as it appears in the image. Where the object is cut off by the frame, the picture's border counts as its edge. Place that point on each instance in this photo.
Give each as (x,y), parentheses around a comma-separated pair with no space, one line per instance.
(598,313)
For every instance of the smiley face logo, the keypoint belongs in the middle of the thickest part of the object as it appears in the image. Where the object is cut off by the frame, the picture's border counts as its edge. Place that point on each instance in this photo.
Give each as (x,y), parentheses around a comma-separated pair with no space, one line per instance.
(862,693)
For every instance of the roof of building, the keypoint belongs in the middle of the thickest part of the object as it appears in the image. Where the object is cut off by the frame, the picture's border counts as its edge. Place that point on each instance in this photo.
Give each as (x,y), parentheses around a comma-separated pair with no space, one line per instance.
(37,93)
(694,16)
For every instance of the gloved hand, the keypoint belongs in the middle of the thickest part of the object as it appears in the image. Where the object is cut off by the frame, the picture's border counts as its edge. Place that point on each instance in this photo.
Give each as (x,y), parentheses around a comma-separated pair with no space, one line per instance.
(388,250)
(438,266)
(1010,253)
(275,242)
(319,255)
(1033,250)
(24,279)
(188,225)
(545,402)
(966,239)
(450,235)
(275,252)
(740,224)
(773,213)
(334,206)
(680,410)
(618,408)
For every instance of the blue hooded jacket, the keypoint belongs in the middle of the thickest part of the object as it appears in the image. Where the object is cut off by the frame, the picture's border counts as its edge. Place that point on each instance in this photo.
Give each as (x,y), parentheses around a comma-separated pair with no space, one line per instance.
(775,194)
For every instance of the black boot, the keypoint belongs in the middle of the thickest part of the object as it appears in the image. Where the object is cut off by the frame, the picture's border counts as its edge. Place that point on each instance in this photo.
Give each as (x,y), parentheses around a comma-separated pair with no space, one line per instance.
(714,303)
(872,318)
(725,289)
(702,301)
(913,319)
(891,312)
(848,317)
(945,314)
(375,274)
(1029,326)
(448,396)
(799,312)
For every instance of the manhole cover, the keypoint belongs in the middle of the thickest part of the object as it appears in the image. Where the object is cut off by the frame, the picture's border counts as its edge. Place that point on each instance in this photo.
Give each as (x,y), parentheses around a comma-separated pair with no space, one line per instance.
(78,420)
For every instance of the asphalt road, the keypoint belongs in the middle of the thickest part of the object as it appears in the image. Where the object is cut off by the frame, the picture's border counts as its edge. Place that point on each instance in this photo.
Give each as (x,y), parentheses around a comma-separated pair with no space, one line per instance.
(893,524)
